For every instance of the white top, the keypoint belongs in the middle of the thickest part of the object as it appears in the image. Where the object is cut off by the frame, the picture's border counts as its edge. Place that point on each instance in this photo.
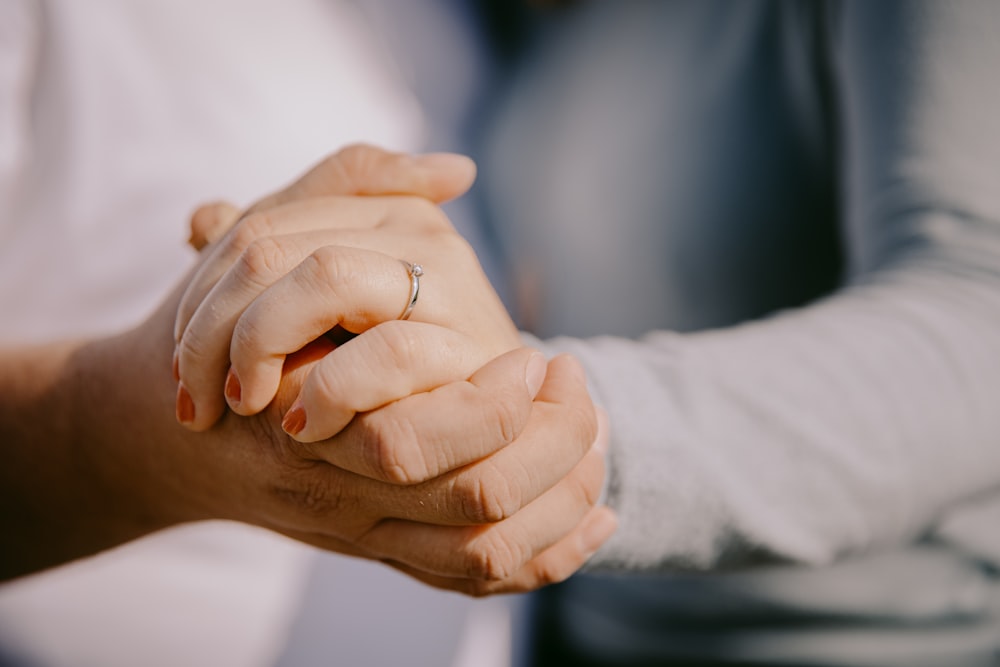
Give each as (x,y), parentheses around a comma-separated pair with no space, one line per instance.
(117,117)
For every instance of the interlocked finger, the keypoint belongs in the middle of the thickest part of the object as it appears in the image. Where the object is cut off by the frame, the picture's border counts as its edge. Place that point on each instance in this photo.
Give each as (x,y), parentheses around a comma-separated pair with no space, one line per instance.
(555,564)
(407,441)
(331,213)
(407,358)
(497,551)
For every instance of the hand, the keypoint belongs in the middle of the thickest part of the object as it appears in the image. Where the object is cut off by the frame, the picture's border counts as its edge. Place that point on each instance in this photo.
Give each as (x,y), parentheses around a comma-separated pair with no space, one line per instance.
(399,484)
(520,518)
(286,274)
(422,456)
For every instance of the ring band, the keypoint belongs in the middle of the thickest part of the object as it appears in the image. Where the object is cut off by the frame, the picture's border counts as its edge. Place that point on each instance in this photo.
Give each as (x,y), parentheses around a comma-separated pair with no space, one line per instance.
(415,271)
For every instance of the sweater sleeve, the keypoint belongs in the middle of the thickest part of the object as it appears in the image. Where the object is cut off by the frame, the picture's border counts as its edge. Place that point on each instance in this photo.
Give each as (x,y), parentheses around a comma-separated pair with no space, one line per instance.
(860,419)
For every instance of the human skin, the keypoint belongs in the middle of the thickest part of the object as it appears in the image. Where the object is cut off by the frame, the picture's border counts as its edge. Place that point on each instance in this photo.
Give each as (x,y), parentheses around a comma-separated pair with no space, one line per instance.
(288,273)
(94,457)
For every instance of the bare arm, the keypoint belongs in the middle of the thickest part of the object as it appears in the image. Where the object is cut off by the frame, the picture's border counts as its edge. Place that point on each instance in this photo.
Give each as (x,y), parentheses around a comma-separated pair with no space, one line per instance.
(96,458)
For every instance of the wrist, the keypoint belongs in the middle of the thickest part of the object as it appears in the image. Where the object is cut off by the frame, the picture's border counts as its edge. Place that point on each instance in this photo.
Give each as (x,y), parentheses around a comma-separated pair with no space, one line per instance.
(125,436)
(65,485)
(87,451)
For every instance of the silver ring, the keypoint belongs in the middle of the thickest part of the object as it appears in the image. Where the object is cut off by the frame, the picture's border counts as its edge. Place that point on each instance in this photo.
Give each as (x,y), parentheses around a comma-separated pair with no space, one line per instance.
(415,271)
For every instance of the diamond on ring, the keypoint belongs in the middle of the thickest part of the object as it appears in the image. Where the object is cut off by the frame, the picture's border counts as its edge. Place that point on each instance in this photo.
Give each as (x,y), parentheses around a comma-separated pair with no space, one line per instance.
(415,271)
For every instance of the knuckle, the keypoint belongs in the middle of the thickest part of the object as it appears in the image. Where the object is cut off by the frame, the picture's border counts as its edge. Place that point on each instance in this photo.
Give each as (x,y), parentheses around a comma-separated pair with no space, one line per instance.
(328,265)
(326,385)
(510,411)
(392,451)
(493,558)
(486,495)
(376,171)
(246,338)
(194,345)
(355,165)
(310,494)
(398,342)
(254,226)
(262,260)
(551,571)
(355,156)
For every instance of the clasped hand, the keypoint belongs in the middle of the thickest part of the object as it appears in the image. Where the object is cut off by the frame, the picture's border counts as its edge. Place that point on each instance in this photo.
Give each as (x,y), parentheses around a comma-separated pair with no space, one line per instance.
(439,444)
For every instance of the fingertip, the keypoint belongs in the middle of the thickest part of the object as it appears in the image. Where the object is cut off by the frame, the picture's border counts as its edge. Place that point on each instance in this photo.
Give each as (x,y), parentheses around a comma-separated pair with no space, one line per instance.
(184,408)
(295,419)
(312,419)
(603,431)
(450,174)
(250,387)
(571,365)
(192,414)
(210,222)
(233,390)
(180,322)
(601,524)
(534,373)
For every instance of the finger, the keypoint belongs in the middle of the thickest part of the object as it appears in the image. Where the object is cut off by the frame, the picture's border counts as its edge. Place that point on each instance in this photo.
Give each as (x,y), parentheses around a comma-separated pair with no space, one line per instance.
(294,267)
(210,222)
(561,429)
(555,564)
(391,361)
(249,242)
(493,552)
(362,169)
(355,170)
(324,497)
(408,442)
(335,286)
(203,350)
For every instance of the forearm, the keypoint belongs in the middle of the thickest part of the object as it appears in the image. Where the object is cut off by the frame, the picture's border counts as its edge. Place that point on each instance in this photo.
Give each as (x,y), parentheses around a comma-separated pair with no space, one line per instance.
(844,425)
(72,485)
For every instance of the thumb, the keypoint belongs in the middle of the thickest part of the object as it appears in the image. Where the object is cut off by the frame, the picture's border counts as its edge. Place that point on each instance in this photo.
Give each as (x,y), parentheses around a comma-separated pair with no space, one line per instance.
(361,169)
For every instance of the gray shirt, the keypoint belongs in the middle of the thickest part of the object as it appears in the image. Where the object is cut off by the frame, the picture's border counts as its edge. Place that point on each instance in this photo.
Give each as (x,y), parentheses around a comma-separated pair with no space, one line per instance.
(771,232)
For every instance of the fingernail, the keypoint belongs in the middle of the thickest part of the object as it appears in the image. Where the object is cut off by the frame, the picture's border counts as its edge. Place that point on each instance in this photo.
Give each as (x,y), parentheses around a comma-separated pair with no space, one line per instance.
(233,389)
(534,373)
(175,365)
(185,406)
(603,435)
(295,420)
(601,527)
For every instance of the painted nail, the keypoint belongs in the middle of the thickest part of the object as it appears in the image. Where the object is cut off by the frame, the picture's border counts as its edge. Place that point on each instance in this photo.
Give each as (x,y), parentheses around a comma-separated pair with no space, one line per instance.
(295,419)
(233,390)
(185,406)
(175,365)
(534,373)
